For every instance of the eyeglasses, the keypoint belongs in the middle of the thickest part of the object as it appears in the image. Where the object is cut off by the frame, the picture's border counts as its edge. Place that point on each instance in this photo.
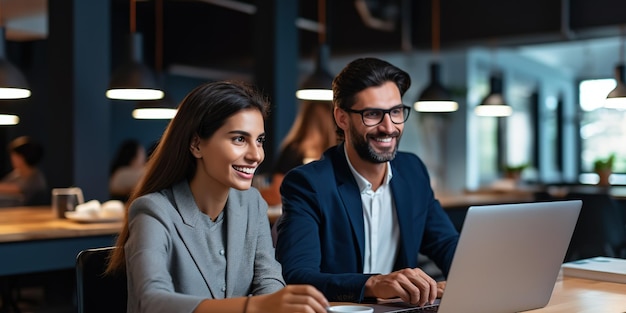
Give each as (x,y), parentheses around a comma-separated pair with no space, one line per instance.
(372,117)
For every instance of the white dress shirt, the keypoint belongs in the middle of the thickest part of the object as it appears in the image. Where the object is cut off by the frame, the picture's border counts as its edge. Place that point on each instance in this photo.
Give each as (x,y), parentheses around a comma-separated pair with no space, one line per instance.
(380,223)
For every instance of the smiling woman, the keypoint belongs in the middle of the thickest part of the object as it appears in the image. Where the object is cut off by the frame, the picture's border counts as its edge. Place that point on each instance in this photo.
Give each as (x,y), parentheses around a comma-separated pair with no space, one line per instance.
(197,237)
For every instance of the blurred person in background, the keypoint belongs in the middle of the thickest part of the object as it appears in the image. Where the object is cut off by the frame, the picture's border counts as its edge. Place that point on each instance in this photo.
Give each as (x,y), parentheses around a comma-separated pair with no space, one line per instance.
(26,184)
(127,169)
(312,132)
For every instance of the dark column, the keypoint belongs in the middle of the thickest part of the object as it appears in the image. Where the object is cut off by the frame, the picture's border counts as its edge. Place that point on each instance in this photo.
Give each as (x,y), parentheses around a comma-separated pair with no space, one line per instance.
(276,59)
(536,117)
(560,146)
(501,142)
(79,113)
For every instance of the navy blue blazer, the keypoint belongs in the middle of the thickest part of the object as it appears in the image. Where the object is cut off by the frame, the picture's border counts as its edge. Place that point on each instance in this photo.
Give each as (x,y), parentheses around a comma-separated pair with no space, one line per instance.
(321,232)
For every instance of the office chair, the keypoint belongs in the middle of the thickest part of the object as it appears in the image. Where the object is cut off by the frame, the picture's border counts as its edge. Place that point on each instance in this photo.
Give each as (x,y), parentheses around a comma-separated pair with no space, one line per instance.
(600,230)
(97,292)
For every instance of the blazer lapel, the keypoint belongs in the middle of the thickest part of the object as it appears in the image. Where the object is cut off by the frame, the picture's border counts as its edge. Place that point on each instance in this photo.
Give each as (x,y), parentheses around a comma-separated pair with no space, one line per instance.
(351,197)
(405,202)
(192,234)
(236,223)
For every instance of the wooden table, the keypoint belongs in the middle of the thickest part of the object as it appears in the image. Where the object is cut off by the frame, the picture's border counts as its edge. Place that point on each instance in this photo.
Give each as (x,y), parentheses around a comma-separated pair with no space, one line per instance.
(580,296)
(462,201)
(583,295)
(33,239)
(457,204)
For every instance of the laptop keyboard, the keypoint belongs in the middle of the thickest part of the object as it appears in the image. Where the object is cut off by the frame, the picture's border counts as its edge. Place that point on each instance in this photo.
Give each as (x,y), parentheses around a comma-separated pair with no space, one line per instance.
(398,306)
(423,309)
(420,309)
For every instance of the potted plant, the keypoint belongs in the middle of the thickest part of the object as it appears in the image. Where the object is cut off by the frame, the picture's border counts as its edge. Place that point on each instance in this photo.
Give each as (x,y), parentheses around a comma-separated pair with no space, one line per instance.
(604,168)
(514,171)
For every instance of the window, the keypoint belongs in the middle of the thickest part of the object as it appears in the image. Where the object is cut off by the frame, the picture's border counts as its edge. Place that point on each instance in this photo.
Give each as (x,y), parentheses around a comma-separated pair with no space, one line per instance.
(602,131)
(508,141)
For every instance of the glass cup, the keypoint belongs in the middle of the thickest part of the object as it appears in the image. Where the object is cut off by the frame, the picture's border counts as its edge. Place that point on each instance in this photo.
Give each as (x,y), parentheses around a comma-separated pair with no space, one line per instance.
(66,199)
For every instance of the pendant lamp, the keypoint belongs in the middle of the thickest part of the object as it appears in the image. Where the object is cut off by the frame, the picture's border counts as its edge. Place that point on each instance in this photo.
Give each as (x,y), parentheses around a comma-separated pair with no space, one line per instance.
(319,85)
(435,97)
(160,108)
(494,103)
(12,83)
(9,119)
(133,80)
(616,99)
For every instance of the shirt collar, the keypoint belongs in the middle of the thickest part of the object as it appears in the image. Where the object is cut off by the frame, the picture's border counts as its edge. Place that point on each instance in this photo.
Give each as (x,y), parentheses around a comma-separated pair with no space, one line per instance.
(363,183)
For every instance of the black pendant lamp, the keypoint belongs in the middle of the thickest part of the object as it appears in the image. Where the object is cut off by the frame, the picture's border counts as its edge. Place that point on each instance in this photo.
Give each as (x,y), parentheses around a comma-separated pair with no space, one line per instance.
(133,80)
(494,103)
(163,108)
(318,86)
(616,99)
(435,97)
(9,119)
(12,83)
(160,109)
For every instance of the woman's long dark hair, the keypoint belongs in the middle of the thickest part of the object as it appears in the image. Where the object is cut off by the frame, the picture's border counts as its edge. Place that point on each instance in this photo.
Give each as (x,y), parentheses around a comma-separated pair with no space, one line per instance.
(203,111)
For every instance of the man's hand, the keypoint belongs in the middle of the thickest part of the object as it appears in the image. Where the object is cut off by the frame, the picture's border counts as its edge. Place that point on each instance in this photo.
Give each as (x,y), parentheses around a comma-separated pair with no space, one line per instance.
(411,285)
(441,286)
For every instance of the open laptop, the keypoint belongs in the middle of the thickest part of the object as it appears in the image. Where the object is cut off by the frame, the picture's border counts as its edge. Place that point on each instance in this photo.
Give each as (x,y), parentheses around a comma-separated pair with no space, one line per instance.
(507,260)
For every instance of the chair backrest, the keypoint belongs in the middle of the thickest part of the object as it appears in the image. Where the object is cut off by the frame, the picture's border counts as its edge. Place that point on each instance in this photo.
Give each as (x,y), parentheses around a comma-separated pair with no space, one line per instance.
(97,292)
(600,229)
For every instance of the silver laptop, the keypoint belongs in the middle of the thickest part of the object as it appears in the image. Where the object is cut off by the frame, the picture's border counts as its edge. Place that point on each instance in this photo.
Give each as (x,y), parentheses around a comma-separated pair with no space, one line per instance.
(507,259)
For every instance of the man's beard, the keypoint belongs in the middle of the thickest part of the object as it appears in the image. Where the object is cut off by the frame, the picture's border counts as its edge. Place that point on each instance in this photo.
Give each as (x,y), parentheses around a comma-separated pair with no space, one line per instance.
(365,150)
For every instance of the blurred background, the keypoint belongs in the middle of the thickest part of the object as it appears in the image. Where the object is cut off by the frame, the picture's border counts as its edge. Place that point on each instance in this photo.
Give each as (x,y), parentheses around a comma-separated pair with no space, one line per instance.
(555,61)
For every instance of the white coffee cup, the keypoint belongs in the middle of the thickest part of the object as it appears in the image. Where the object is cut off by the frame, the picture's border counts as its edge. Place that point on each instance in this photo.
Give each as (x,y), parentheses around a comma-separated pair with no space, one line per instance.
(350,309)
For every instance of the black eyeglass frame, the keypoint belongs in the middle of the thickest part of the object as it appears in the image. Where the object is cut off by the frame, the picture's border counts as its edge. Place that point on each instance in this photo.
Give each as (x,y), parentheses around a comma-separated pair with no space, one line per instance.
(406,111)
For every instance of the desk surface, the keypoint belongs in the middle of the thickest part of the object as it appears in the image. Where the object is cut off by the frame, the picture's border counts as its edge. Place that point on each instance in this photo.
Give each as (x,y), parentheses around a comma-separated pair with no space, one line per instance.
(451,201)
(463,200)
(583,295)
(33,239)
(580,295)
(34,223)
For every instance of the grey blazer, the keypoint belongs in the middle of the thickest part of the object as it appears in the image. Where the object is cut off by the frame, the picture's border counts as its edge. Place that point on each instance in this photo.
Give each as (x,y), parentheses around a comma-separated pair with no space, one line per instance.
(167,255)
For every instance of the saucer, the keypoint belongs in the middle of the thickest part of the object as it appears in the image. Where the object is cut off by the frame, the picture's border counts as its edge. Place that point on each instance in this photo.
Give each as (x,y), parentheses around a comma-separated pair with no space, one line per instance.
(350,309)
(91,218)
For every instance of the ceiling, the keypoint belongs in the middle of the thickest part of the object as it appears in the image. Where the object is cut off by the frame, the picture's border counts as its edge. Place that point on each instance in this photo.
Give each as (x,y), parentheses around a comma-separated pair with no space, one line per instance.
(581,37)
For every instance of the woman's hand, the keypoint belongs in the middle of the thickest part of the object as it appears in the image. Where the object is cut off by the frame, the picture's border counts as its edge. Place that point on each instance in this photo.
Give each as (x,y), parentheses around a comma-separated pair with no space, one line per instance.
(292,298)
